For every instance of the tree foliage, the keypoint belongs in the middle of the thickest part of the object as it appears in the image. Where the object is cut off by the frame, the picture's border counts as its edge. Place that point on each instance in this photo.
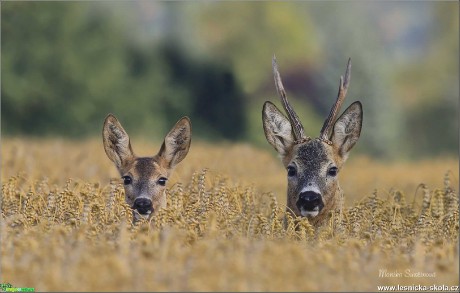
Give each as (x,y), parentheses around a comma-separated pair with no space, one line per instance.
(66,65)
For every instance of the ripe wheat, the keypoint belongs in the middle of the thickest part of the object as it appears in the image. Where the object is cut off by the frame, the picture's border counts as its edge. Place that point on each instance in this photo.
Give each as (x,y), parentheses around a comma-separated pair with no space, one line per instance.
(216,234)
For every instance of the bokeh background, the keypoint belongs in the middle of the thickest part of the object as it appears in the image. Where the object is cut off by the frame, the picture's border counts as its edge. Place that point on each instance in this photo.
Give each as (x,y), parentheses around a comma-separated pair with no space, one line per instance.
(65,65)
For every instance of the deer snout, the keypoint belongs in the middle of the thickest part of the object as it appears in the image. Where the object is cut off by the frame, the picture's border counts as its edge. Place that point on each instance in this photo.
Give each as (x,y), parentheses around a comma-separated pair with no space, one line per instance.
(310,203)
(143,206)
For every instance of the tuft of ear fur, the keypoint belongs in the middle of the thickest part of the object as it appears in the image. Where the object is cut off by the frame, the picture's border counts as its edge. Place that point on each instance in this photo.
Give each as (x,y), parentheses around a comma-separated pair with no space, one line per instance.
(347,129)
(277,128)
(116,141)
(176,143)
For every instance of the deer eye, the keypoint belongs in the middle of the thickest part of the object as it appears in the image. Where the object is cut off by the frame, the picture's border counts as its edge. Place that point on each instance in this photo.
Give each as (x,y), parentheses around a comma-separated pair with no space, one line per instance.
(127,180)
(162,181)
(291,171)
(332,171)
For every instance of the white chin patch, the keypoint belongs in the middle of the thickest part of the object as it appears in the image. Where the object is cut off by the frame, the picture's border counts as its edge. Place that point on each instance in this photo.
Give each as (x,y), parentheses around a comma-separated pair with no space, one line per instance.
(138,216)
(310,214)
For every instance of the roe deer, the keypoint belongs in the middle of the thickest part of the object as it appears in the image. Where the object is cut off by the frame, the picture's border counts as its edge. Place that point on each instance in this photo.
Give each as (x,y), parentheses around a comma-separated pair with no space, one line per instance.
(144,178)
(313,164)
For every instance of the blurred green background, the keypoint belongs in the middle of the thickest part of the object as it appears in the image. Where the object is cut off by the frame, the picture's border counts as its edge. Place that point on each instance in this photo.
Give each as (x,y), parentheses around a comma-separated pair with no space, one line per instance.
(65,65)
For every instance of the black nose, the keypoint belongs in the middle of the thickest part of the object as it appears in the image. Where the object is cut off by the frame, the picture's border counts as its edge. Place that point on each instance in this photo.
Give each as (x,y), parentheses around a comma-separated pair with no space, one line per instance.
(143,205)
(311,197)
(309,200)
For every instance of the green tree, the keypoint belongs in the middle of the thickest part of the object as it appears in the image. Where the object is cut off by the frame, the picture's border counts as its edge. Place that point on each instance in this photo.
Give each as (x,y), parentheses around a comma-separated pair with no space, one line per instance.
(60,65)
(216,101)
(67,64)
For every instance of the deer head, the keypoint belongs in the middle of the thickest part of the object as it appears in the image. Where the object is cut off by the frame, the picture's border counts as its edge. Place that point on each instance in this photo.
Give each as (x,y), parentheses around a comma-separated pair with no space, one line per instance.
(144,178)
(312,165)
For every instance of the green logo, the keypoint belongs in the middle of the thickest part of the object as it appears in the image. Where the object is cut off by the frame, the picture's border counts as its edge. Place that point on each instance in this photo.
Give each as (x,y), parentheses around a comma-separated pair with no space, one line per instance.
(4,286)
(7,287)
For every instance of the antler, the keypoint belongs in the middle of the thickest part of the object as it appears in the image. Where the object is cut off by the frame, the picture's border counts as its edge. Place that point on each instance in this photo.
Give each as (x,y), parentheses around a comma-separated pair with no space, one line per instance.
(324,134)
(297,127)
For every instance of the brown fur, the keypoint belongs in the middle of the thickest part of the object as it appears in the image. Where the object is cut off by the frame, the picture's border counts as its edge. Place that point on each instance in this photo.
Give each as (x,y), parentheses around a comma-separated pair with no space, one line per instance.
(145,172)
(313,159)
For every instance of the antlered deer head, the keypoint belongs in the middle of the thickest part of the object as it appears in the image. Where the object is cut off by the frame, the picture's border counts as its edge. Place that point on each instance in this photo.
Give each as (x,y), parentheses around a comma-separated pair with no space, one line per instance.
(312,165)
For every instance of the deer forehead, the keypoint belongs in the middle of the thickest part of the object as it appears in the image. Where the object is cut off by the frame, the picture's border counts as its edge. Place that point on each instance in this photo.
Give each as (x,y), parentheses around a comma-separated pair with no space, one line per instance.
(146,168)
(314,156)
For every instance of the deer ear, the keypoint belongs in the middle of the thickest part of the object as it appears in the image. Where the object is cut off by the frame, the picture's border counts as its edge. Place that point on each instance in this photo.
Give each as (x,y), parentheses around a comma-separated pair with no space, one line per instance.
(116,142)
(277,128)
(177,143)
(347,129)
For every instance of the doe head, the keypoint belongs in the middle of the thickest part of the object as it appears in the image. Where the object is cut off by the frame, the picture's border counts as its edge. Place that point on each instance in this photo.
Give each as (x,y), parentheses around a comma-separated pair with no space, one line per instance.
(145,178)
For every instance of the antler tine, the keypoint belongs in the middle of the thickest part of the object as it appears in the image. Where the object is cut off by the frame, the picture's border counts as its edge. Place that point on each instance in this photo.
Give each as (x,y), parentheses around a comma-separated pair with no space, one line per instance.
(343,87)
(297,127)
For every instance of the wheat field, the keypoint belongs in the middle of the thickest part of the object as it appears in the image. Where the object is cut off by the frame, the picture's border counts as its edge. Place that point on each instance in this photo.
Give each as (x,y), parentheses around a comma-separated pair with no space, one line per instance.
(65,226)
